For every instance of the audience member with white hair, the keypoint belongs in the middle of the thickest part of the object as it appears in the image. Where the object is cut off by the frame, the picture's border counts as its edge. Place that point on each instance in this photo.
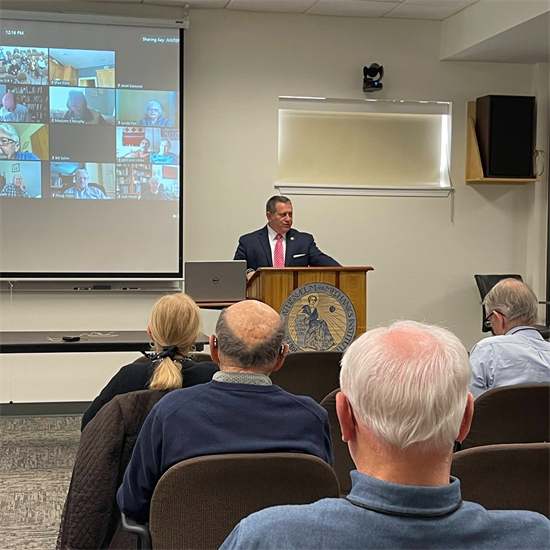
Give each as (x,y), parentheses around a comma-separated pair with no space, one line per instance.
(518,354)
(404,402)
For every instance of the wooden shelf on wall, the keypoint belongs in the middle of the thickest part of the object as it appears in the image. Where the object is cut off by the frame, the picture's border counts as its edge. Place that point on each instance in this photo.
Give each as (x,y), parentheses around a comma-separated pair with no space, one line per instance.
(474,168)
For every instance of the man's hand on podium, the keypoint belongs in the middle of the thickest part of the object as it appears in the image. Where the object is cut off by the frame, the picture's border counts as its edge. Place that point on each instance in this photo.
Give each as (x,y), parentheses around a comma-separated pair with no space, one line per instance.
(249,274)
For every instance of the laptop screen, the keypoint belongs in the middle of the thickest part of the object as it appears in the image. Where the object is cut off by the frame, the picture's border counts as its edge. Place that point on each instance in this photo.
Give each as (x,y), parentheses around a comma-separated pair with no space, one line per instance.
(223,281)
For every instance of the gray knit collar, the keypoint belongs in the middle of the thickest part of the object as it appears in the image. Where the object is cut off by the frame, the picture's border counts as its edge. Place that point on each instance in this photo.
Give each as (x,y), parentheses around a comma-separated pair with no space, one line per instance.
(252,378)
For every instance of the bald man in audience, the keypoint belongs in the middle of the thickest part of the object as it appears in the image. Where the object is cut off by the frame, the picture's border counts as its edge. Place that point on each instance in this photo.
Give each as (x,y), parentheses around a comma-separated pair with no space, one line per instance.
(239,411)
(517,354)
(404,402)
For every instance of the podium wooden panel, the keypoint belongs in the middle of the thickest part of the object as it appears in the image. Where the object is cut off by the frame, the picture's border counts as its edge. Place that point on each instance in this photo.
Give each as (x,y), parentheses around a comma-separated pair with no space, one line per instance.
(272,285)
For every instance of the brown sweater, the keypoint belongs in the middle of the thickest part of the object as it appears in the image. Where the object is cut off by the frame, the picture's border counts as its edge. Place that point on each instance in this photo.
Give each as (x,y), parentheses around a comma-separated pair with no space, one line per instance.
(91,515)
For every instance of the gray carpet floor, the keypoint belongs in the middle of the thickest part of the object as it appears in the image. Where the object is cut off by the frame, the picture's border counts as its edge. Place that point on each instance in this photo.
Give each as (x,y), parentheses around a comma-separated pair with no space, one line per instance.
(36,460)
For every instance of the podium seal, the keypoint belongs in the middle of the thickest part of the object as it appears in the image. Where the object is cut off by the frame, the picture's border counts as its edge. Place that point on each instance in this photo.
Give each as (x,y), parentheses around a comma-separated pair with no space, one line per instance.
(318,317)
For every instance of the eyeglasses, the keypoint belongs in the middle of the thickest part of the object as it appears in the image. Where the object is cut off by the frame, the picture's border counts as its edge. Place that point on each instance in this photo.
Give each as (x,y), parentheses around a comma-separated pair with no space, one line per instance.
(6,141)
(488,318)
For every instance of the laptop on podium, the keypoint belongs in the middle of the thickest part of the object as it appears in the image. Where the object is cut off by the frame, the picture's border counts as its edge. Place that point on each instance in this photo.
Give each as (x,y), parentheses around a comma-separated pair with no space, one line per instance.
(223,281)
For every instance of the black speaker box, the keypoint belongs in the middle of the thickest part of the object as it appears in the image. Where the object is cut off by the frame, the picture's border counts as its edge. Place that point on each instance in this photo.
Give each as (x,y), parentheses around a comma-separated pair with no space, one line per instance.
(505,128)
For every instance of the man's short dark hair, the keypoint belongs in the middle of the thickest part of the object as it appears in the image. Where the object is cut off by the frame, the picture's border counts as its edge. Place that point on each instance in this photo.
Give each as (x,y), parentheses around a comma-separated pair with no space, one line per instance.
(271,205)
(243,355)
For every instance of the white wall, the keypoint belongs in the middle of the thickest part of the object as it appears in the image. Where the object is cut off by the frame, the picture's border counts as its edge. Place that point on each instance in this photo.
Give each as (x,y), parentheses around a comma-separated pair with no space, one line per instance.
(237,64)
(70,376)
(486,19)
(538,192)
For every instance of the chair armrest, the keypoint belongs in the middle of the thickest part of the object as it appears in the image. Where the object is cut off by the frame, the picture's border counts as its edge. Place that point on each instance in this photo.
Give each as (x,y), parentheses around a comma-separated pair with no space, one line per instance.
(142,532)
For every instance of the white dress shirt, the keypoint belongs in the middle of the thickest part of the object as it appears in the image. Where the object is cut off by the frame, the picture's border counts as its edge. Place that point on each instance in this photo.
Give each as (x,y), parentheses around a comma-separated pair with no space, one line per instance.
(521,356)
(272,236)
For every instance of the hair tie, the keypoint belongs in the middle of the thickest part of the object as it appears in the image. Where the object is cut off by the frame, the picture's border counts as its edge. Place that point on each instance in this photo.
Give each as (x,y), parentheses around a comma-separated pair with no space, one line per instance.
(167,351)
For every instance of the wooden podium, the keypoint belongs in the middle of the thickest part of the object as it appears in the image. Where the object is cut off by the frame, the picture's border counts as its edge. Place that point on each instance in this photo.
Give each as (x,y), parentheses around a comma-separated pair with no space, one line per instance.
(273,285)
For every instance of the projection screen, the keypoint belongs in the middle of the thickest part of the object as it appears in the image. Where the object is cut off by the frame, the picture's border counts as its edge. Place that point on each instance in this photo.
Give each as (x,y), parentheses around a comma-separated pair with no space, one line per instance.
(91,167)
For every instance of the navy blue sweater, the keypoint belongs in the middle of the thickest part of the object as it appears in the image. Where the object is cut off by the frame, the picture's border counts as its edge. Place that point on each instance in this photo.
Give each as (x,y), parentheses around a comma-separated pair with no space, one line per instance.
(220,418)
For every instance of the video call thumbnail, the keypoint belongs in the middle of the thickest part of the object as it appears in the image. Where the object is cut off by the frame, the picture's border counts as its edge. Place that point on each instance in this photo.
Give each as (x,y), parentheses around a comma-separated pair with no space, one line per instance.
(147,108)
(70,126)
(82,180)
(23,65)
(24,103)
(20,179)
(142,181)
(82,143)
(85,68)
(155,145)
(82,105)
(24,141)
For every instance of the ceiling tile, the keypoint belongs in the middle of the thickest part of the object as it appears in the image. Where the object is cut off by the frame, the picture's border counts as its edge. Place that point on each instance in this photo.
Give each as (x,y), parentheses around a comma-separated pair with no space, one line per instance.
(206,3)
(420,11)
(352,8)
(443,3)
(114,1)
(192,3)
(295,6)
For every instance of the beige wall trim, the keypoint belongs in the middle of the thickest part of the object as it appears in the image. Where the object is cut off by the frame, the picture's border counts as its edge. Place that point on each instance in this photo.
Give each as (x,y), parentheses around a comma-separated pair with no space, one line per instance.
(362,191)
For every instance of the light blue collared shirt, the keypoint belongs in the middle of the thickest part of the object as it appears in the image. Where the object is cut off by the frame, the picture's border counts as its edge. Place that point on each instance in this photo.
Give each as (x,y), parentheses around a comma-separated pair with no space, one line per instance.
(378,515)
(521,356)
(87,192)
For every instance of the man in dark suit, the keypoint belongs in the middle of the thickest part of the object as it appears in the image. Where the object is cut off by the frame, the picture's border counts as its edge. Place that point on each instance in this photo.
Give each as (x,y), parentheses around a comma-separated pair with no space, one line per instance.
(278,245)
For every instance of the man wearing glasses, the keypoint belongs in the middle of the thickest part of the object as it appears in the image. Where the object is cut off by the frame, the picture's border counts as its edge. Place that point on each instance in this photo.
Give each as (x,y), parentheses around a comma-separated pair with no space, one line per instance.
(518,354)
(10,147)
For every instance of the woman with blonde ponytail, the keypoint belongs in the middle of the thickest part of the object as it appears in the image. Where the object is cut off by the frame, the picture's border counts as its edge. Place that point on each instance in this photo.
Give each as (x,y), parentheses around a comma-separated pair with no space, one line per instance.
(174,327)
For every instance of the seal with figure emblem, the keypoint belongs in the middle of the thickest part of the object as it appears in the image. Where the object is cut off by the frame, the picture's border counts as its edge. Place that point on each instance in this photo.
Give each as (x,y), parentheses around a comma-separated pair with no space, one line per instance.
(318,317)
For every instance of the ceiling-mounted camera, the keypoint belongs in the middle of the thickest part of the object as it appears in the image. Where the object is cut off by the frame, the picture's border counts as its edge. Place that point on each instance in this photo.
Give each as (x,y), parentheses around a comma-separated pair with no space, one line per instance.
(372,76)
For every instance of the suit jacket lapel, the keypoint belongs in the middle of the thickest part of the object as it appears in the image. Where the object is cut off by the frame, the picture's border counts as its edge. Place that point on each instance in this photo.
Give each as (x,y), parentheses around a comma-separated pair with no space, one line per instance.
(289,261)
(264,241)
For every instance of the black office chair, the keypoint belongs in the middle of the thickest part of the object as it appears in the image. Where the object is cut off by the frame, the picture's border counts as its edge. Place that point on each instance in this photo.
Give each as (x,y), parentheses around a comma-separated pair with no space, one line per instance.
(484,284)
